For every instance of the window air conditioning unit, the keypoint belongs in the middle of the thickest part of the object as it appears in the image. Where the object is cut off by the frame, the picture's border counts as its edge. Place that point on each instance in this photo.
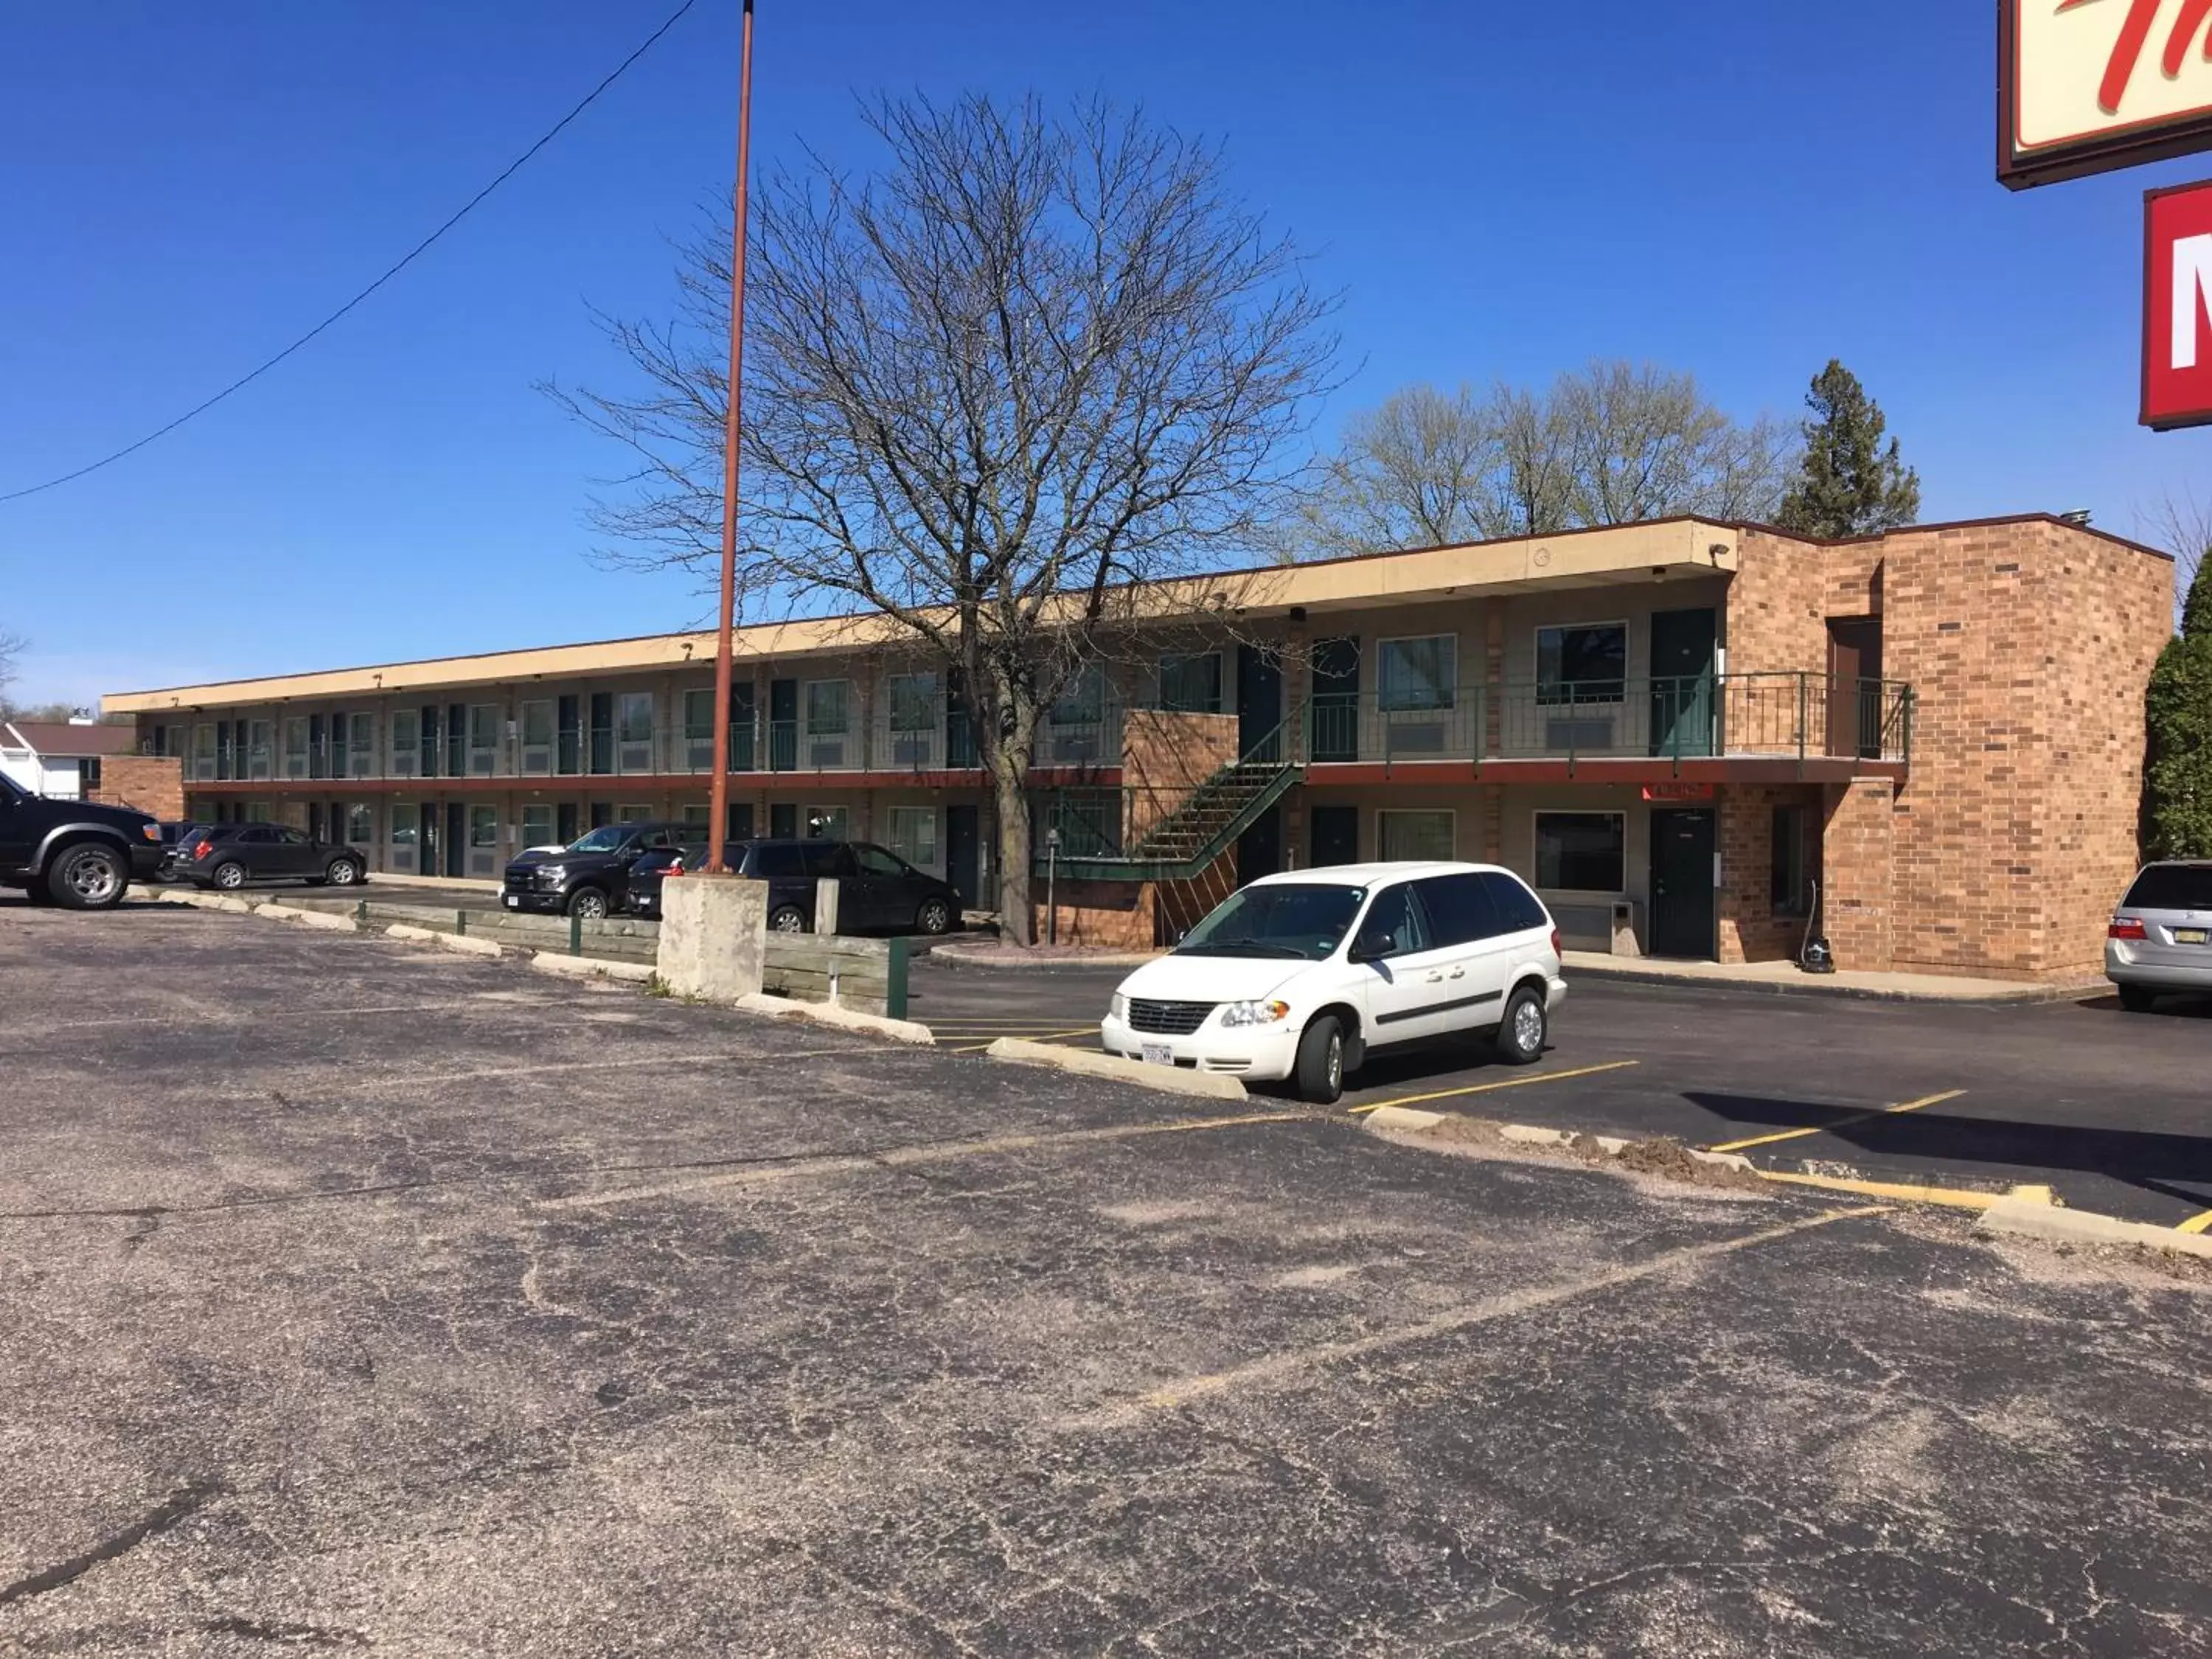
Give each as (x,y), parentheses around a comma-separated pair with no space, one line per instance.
(826,754)
(1578,732)
(1417,736)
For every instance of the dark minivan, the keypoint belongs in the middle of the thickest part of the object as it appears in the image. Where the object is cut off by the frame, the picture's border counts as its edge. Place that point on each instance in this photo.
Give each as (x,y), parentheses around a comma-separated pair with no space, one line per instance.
(877,892)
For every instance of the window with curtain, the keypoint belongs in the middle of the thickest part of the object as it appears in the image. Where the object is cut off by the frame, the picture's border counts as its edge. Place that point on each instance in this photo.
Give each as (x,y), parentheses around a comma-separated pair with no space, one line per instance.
(914,701)
(828,707)
(1416,674)
(1582,852)
(1191,684)
(1084,702)
(1422,836)
(914,834)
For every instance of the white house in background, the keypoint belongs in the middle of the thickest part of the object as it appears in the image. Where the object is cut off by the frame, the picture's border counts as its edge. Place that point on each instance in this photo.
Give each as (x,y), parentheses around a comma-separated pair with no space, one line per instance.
(61,759)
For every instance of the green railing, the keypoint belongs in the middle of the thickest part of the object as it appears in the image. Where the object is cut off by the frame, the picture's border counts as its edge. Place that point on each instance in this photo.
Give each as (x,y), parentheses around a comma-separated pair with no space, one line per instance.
(1683,717)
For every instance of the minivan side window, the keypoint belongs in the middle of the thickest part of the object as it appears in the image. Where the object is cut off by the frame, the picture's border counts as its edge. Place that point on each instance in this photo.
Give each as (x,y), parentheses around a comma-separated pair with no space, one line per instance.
(778,863)
(1460,908)
(1396,912)
(825,858)
(2172,887)
(1518,909)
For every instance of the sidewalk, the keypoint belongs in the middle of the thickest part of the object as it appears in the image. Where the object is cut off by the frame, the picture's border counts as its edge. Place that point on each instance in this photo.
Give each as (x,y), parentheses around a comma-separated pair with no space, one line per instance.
(1787,979)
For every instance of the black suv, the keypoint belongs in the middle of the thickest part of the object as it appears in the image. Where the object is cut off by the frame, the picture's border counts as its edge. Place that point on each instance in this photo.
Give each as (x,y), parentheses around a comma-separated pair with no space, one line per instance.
(73,853)
(591,877)
(877,892)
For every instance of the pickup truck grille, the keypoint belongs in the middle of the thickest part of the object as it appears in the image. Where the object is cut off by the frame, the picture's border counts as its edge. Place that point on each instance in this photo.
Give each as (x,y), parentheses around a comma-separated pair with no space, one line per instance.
(1168,1018)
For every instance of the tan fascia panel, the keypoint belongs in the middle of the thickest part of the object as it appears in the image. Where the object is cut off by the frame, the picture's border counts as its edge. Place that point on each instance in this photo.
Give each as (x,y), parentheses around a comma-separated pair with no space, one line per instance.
(1575,559)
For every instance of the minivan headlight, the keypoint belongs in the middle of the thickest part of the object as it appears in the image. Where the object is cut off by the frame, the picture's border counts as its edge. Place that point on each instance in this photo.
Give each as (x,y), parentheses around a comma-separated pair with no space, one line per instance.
(1117,1007)
(1254,1013)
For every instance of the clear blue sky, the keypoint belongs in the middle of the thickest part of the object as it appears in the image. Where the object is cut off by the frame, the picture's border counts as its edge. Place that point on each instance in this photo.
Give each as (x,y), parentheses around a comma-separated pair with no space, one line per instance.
(1740,188)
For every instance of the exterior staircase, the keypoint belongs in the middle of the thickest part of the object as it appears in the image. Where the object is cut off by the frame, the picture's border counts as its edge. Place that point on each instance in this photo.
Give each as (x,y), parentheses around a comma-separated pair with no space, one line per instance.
(1188,842)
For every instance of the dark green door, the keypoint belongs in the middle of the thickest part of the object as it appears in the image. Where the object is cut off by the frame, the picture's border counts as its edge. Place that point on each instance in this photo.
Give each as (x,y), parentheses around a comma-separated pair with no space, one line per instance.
(1260,849)
(457,838)
(1683,649)
(783,726)
(1259,703)
(964,848)
(1336,700)
(741,728)
(1335,836)
(1685,920)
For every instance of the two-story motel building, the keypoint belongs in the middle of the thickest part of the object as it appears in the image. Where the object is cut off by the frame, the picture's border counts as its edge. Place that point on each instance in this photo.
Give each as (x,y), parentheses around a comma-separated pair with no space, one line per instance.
(1680,731)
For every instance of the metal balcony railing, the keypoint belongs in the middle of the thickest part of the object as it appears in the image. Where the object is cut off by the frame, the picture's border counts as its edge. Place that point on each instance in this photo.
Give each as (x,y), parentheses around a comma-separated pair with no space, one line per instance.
(1678,717)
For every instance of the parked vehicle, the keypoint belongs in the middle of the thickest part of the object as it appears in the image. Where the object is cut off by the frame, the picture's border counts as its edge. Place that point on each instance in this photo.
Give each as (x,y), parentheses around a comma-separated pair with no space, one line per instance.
(590,877)
(877,892)
(229,855)
(2161,938)
(1301,976)
(177,849)
(73,853)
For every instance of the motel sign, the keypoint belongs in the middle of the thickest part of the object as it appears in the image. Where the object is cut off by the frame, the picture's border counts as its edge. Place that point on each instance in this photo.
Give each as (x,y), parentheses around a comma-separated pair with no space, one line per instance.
(2177,386)
(2087,86)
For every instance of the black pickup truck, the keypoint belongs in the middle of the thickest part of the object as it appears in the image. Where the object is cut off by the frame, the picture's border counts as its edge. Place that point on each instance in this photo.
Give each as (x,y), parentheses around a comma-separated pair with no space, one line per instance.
(589,878)
(73,853)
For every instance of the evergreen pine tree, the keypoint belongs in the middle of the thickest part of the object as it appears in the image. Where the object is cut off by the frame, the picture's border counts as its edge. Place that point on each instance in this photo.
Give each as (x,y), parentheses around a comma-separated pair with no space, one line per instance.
(1848,484)
(2178,779)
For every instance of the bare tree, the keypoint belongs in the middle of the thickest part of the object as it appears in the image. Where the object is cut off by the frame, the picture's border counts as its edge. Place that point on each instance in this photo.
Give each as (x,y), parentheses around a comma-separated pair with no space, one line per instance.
(2182,525)
(994,393)
(12,646)
(1614,443)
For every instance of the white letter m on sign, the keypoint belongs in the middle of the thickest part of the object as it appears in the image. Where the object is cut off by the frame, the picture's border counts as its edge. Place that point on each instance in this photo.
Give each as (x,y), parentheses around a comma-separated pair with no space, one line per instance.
(2192,285)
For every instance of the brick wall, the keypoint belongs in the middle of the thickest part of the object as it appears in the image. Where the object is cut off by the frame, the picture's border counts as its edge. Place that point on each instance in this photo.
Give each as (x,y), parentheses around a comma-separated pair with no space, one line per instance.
(2028,646)
(1749,930)
(144,782)
(1163,758)
(1859,860)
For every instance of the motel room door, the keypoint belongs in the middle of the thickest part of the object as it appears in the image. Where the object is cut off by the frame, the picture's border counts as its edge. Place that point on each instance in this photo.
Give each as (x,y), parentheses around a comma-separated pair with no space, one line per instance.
(1855,686)
(1683,646)
(1685,917)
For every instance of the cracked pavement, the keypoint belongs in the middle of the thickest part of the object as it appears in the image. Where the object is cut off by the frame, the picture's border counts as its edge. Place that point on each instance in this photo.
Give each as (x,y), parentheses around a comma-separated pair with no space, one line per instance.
(361,1299)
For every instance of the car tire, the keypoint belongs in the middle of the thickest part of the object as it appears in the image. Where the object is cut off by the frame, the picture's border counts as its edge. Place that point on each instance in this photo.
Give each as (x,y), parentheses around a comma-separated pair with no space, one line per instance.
(1522,1032)
(2137,999)
(230,876)
(1320,1075)
(342,873)
(934,918)
(89,876)
(588,902)
(788,918)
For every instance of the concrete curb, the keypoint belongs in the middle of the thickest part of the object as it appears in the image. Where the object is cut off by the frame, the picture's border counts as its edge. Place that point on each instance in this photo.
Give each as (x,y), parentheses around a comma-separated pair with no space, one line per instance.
(1814,986)
(1405,1120)
(408,933)
(845,1019)
(560,962)
(968,956)
(469,883)
(1166,1079)
(2027,1219)
(322,919)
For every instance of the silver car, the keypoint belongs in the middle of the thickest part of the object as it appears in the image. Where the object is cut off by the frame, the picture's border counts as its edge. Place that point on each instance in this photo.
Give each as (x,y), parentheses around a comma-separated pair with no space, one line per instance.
(2160,939)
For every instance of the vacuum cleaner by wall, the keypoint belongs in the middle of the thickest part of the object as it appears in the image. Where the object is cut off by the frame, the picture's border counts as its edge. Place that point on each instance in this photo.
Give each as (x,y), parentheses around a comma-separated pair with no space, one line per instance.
(1815,956)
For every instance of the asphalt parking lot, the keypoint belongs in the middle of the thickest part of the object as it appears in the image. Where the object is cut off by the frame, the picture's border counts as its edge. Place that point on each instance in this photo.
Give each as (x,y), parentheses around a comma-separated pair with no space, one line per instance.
(365,1299)
(2112,1110)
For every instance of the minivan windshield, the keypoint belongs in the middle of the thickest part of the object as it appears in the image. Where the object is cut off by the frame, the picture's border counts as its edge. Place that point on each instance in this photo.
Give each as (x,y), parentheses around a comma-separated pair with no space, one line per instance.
(605,839)
(1295,921)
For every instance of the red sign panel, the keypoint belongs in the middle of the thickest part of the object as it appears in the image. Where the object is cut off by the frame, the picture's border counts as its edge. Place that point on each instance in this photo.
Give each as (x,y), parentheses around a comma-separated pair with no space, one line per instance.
(1678,792)
(2177,389)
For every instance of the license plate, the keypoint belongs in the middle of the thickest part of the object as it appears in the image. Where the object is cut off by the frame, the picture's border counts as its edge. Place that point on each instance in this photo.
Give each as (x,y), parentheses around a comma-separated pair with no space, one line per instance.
(1158,1053)
(513,901)
(2191,935)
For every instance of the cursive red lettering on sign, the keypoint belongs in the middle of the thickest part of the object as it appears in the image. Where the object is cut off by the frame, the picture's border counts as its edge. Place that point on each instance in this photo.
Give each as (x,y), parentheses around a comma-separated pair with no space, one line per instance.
(2134,35)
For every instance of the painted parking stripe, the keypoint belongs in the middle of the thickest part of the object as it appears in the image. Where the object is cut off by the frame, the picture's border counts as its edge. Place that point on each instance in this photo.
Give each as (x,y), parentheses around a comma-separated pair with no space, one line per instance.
(2197,1224)
(901,1158)
(1507,1083)
(1840,1123)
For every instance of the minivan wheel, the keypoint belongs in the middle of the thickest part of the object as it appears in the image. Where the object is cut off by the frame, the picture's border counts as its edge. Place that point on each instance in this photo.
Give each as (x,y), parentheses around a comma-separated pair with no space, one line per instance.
(589,902)
(1320,1061)
(2137,999)
(788,919)
(88,877)
(936,917)
(229,876)
(1520,1033)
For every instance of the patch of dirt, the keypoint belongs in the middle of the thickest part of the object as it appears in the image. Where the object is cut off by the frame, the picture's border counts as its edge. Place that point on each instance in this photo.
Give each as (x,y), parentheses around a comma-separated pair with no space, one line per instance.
(1662,1160)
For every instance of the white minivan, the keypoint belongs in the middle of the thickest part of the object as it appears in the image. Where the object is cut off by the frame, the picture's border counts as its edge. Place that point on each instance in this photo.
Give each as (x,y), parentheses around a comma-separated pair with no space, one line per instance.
(1300,976)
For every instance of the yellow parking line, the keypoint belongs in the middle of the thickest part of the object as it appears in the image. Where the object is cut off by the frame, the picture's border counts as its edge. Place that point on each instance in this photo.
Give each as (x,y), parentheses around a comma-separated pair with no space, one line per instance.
(1957,1197)
(1508,1083)
(1026,1036)
(1840,1123)
(2197,1224)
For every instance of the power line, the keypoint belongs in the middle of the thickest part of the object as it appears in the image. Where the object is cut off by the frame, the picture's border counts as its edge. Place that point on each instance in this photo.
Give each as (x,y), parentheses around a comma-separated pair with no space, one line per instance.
(413,254)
